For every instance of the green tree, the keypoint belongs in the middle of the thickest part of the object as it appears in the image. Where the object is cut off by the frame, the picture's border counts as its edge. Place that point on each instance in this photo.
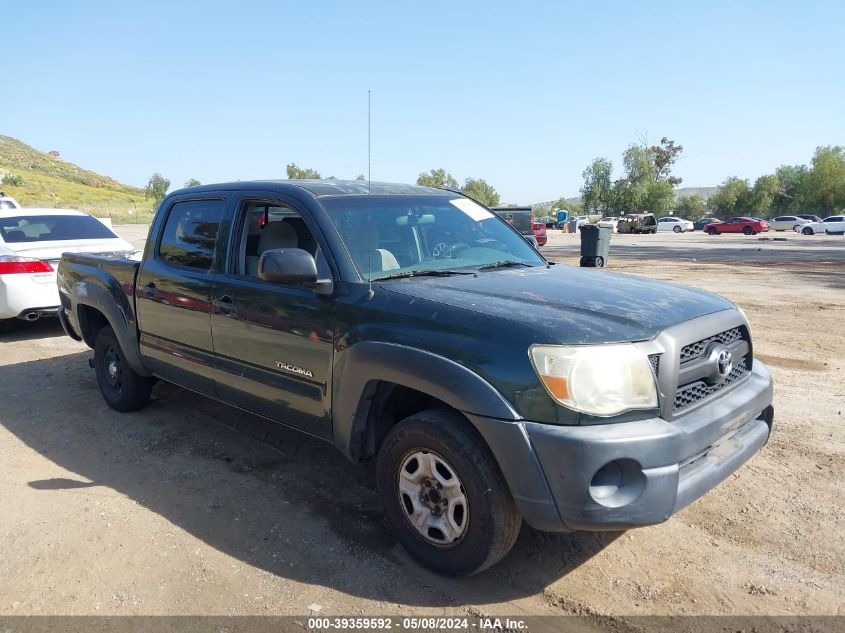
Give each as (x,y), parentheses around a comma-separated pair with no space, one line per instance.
(12,180)
(360,177)
(730,198)
(792,189)
(639,164)
(192,182)
(157,187)
(692,206)
(596,189)
(657,196)
(437,178)
(759,200)
(480,190)
(826,180)
(302,173)
(625,197)
(665,156)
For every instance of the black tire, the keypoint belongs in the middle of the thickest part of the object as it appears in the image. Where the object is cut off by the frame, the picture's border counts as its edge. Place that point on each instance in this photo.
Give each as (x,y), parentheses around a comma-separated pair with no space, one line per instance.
(677,229)
(599,262)
(492,520)
(748,230)
(712,231)
(807,231)
(6,325)
(583,262)
(123,389)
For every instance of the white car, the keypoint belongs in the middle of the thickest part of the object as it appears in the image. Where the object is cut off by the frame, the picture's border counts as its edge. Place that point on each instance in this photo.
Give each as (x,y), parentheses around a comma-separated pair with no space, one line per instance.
(831,225)
(7,202)
(610,223)
(31,243)
(786,223)
(674,224)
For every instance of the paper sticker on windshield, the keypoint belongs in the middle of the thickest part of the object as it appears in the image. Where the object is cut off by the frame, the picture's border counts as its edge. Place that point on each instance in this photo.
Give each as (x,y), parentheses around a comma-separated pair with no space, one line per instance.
(473,210)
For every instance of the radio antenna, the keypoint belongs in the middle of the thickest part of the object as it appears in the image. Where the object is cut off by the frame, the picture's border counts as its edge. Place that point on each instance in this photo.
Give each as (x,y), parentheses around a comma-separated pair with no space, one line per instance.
(369,195)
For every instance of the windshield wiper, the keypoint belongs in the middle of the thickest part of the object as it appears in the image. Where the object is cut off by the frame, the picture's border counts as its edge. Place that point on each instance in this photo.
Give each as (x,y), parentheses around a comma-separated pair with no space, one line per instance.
(507,263)
(434,272)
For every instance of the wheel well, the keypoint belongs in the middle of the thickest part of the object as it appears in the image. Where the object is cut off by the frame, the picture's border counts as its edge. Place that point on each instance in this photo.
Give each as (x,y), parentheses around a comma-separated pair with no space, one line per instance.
(383,405)
(91,321)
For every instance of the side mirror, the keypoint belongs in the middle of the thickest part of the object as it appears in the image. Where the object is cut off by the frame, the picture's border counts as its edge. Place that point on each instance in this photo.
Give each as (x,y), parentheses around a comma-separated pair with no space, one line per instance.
(287,266)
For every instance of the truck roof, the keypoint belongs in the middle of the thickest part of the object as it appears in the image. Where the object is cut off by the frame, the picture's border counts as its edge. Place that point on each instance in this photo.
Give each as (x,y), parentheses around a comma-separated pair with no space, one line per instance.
(319,188)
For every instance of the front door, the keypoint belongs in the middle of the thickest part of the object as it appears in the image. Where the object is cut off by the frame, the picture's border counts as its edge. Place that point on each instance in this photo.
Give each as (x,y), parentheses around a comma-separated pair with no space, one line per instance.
(172,293)
(272,343)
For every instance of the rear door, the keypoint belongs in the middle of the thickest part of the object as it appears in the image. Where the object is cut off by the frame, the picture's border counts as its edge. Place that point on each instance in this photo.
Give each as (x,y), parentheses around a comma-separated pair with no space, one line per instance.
(172,292)
(835,224)
(273,344)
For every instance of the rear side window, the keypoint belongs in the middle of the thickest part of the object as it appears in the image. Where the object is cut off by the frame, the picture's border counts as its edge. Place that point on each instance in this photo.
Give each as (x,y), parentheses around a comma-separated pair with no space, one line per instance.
(190,233)
(53,228)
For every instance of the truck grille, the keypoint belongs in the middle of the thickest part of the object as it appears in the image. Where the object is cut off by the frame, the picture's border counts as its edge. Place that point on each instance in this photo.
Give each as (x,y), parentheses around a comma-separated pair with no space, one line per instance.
(694,350)
(693,392)
(654,359)
(697,388)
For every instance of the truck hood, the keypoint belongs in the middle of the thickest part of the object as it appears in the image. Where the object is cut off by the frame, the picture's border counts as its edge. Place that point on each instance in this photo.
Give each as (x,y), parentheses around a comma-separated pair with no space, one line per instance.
(569,305)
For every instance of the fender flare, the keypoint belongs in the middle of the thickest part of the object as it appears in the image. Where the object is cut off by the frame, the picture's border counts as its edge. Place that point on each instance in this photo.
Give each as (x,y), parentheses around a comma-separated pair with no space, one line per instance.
(364,364)
(114,306)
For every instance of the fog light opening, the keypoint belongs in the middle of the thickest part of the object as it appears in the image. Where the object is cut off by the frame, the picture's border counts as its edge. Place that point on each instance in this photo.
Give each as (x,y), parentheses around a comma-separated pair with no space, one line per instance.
(617,483)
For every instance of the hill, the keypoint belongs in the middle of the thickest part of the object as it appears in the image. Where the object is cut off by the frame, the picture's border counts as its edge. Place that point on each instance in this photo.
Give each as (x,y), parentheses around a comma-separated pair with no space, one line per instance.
(46,181)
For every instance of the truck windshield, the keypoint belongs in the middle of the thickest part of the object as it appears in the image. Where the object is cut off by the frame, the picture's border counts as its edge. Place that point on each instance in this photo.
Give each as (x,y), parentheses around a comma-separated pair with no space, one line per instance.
(50,228)
(390,235)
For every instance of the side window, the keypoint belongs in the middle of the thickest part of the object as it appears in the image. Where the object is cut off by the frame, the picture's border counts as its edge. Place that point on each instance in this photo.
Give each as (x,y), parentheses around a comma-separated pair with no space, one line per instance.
(190,233)
(269,226)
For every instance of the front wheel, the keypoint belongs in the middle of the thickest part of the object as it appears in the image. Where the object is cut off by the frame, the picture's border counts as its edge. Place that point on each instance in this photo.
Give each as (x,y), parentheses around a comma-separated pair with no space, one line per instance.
(123,389)
(444,495)
(807,231)
(748,230)
(711,231)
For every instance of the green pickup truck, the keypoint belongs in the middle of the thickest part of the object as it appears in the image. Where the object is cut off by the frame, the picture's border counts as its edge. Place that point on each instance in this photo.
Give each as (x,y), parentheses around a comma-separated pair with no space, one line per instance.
(414,327)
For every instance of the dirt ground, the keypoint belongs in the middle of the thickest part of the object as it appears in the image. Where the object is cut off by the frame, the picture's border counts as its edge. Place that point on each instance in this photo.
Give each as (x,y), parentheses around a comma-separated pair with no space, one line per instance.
(181,509)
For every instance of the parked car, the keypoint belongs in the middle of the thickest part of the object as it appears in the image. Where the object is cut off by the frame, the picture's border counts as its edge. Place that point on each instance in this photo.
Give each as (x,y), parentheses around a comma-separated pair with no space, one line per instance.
(539,231)
(699,224)
(549,223)
(399,324)
(31,243)
(833,225)
(637,223)
(786,222)
(522,219)
(575,222)
(748,226)
(7,202)
(674,224)
(810,218)
(609,223)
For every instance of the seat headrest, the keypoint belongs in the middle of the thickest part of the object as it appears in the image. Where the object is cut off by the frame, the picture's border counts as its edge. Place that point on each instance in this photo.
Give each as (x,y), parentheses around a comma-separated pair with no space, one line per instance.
(277,235)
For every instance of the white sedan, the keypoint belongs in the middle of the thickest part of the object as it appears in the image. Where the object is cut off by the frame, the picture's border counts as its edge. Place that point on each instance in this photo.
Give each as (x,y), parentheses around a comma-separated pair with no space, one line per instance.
(610,223)
(31,243)
(834,224)
(674,224)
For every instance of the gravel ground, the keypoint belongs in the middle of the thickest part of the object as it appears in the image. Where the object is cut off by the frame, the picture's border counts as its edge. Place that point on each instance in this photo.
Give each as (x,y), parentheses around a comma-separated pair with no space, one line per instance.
(181,509)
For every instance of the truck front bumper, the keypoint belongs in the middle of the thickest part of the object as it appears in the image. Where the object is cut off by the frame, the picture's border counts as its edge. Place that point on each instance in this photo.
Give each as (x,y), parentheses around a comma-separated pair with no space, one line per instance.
(620,475)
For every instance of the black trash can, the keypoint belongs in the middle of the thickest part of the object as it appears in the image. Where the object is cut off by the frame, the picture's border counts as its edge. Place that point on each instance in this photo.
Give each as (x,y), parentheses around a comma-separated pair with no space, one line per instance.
(595,244)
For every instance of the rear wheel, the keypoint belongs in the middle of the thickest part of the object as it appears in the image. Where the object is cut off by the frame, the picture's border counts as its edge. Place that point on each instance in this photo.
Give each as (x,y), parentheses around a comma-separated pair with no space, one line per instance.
(807,231)
(6,325)
(444,495)
(599,262)
(677,229)
(123,389)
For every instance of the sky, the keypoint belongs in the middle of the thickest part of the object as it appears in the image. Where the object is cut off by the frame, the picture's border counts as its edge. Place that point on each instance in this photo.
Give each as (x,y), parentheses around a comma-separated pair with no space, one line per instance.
(523,94)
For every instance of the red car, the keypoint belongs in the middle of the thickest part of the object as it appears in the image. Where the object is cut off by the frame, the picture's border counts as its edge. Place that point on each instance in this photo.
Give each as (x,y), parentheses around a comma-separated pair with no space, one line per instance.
(748,226)
(539,231)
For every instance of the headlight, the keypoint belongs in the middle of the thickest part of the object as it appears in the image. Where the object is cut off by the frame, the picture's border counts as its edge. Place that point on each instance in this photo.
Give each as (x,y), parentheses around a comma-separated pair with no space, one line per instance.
(596,379)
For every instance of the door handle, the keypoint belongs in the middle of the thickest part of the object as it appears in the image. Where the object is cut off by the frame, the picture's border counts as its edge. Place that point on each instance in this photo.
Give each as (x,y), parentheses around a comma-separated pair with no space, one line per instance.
(150,290)
(224,305)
